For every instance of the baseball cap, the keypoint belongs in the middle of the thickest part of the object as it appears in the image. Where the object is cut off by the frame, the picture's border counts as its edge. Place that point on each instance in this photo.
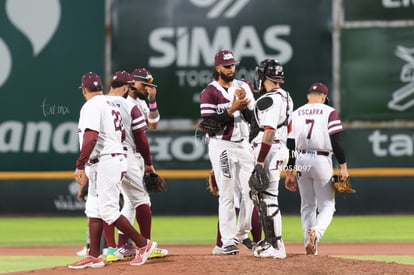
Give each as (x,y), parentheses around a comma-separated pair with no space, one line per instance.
(91,81)
(225,58)
(121,78)
(319,88)
(144,76)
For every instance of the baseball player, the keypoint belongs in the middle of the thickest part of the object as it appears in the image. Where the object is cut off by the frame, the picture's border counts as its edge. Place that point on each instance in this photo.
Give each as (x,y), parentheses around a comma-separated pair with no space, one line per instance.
(268,136)
(136,198)
(315,135)
(225,100)
(141,88)
(144,90)
(101,134)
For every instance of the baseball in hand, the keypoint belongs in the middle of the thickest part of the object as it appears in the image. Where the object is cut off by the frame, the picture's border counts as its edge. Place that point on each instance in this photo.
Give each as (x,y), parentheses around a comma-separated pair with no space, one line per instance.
(240,93)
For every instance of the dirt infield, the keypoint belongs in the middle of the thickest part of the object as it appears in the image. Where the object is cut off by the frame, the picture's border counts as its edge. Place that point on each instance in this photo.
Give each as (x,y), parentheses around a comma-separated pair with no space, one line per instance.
(197,259)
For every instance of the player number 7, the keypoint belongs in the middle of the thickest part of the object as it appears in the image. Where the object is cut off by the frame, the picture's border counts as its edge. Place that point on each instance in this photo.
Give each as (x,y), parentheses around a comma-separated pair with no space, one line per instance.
(311,122)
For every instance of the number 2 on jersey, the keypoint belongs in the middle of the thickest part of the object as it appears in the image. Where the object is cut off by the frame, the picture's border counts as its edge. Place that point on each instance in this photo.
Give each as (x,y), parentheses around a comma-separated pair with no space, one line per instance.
(119,126)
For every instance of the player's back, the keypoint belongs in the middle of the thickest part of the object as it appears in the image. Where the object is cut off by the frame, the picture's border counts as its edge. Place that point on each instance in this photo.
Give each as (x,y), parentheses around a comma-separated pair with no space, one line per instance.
(101,115)
(310,127)
(132,118)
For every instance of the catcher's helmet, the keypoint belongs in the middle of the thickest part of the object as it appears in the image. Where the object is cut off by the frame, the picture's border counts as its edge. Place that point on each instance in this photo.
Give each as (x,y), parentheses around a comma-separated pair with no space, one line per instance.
(270,69)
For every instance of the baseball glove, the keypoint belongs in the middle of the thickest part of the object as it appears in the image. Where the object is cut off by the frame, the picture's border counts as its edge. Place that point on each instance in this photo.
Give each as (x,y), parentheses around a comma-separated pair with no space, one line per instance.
(212,184)
(259,180)
(211,127)
(154,182)
(343,186)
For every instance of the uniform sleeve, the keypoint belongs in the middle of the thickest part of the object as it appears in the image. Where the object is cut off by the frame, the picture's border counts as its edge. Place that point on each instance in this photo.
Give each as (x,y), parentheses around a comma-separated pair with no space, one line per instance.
(292,153)
(208,106)
(137,119)
(89,141)
(91,117)
(337,148)
(141,141)
(334,123)
(208,103)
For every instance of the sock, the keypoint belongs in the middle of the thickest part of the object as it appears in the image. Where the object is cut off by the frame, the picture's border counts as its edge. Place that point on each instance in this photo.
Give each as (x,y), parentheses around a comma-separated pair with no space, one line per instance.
(122,239)
(218,238)
(256,226)
(95,231)
(143,216)
(109,232)
(125,226)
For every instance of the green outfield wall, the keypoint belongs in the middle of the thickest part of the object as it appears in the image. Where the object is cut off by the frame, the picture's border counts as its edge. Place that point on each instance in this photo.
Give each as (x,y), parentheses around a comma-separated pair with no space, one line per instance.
(380,162)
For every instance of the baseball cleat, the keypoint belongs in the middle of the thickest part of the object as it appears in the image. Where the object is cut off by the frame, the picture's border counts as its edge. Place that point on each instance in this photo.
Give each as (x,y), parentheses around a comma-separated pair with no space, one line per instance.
(230,250)
(158,253)
(311,246)
(113,255)
(88,261)
(217,250)
(143,253)
(247,243)
(128,251)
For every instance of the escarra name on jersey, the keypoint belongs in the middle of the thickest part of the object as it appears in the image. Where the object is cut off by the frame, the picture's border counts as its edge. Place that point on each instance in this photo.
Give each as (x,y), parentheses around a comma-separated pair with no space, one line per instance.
(310,111)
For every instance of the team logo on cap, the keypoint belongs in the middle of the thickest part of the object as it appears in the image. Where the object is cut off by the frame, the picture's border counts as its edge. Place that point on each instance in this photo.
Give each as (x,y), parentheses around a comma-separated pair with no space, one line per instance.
(228,56)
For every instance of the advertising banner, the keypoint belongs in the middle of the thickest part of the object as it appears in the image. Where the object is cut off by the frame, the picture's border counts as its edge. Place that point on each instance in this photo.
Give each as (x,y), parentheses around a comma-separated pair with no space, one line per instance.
(374,10)
(45,47)
(177,40)
(190,197)
(377,74)
(379,147)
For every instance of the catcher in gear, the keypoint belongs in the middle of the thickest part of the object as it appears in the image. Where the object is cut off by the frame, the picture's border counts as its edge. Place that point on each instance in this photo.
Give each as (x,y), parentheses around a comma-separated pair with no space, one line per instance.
(315,137)
(268,134)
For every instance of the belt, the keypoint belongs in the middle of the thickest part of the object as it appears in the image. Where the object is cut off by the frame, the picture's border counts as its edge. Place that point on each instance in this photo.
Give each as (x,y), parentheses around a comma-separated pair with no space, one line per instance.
(93,161)
(96,160)
(319,153)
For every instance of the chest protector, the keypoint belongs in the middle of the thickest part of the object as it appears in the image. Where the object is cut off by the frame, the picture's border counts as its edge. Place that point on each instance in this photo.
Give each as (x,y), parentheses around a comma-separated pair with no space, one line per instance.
(262,104)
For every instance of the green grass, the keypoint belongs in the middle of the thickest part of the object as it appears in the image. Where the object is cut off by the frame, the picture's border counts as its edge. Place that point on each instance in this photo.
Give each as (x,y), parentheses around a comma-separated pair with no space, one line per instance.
(202,230)
(388,259)
(389,228)
(18,263)
(29,231)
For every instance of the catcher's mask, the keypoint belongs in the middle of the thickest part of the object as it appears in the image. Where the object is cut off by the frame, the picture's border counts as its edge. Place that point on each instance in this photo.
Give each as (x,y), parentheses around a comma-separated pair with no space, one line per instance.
(270,69)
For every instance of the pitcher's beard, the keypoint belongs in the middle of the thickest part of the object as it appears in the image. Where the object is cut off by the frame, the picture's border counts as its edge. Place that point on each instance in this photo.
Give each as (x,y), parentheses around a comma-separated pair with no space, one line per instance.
(226,78)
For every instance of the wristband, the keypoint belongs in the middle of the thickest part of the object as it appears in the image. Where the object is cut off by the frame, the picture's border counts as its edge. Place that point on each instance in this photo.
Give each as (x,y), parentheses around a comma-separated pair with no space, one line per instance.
(264,150)
(153,105)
